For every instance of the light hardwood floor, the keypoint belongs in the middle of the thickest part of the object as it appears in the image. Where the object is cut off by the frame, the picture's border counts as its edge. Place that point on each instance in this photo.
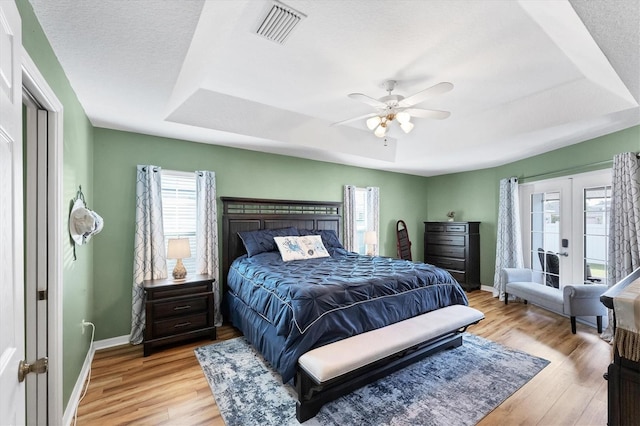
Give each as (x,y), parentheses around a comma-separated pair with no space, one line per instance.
(169,387)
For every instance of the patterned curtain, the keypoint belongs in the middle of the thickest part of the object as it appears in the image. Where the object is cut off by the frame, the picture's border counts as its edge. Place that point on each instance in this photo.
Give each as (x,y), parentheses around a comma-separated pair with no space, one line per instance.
(624,226)
(149,257)
(349,242)
(509,241)
(207,234)
(373,215)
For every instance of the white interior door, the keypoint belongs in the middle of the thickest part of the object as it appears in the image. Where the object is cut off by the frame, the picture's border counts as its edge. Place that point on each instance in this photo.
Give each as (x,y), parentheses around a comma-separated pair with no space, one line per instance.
(12,402)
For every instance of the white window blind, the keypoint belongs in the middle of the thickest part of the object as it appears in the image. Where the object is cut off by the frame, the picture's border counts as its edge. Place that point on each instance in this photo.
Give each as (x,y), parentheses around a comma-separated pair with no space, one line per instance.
(179,212)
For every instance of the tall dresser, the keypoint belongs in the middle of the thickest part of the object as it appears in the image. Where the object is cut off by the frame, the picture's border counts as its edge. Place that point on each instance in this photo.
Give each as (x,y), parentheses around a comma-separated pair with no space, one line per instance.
(455,246)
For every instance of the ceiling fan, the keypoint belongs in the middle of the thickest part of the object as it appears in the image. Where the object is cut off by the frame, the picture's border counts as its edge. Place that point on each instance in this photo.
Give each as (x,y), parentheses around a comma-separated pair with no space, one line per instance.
(397,107)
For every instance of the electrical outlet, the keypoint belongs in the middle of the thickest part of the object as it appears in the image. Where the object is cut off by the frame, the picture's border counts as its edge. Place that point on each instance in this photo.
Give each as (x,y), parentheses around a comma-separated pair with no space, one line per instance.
(84,325)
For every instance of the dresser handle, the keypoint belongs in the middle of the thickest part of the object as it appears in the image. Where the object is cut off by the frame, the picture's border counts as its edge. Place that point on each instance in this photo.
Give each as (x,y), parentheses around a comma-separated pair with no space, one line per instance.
(180,308)
(182,324)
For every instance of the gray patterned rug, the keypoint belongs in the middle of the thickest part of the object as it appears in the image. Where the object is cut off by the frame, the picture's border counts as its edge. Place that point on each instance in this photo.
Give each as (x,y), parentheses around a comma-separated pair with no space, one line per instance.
(454,387)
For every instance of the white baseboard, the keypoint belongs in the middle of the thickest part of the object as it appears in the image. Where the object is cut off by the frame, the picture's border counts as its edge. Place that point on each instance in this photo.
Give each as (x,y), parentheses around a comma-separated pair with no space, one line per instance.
(486,288)
(74,400)
(112,342)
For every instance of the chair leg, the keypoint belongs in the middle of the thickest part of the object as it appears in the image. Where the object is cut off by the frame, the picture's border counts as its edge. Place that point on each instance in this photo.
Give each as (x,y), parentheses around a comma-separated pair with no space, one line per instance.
(599,321)
(506,298)
(525,302)
(573,325)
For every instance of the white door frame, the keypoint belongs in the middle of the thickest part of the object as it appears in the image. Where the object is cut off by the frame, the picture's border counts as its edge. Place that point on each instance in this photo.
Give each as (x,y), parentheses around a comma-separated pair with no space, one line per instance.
(570,188)
(36,85)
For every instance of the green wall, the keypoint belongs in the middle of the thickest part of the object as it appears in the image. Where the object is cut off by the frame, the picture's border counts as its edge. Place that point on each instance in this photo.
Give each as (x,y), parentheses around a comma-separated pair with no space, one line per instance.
(77,286)
(239,173)
(474,195)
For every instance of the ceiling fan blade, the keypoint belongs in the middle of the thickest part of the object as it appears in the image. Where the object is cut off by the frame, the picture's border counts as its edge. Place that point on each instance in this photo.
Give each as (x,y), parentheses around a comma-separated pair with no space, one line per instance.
(367,100)
(427,113)
(354,119)
(438,89)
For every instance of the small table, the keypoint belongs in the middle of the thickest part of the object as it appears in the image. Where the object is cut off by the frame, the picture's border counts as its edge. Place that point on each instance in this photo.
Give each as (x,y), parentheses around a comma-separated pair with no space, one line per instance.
(178,310)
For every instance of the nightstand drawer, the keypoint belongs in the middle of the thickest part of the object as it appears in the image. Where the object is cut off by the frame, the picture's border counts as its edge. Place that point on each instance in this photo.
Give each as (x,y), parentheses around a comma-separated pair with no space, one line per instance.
(178,290)
(182,324)
(179,307)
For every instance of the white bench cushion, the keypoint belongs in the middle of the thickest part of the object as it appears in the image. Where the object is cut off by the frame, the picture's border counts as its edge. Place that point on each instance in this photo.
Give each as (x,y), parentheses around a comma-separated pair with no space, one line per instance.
(337,358)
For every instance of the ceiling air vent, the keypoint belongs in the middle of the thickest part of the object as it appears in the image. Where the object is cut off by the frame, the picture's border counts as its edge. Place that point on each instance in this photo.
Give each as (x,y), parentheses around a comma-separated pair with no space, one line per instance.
(279,22)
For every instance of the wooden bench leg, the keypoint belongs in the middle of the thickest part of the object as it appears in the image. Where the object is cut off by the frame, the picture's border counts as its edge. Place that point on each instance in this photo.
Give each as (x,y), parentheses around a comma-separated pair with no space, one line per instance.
(599,321)
(573,325)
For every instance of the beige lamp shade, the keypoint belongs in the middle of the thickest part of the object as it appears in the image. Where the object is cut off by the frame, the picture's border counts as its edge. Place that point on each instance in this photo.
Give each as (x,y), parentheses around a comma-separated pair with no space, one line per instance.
(370,237)
(178,248)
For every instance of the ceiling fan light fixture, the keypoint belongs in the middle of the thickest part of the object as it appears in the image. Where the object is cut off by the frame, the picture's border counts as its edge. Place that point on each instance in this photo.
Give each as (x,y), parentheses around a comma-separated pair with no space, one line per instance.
(380,131)
(403,117)
(373,122)
(407,126)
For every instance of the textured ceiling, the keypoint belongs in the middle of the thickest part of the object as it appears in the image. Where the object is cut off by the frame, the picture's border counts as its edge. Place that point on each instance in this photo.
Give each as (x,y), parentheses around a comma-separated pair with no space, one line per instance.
(529,76)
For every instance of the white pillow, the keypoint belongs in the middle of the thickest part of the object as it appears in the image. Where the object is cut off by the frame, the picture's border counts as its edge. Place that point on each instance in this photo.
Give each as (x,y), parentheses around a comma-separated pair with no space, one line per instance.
(300,248)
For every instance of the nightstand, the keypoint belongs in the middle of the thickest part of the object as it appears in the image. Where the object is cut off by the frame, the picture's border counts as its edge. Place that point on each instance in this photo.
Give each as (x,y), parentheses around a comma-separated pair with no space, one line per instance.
(178,310)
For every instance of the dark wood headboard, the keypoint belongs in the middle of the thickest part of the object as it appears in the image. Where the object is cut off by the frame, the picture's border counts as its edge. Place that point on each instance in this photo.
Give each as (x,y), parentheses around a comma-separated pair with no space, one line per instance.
(251,214)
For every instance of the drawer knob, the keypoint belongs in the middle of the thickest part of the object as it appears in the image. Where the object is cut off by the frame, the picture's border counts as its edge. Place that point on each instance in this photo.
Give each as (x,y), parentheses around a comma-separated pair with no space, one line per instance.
(181,308)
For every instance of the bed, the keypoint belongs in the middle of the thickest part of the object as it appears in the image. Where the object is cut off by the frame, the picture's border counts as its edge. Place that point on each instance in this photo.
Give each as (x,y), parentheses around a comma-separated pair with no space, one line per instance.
(287,308)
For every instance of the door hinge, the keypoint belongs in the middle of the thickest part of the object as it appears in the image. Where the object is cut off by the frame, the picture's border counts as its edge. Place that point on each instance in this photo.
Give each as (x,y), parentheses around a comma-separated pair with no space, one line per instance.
(42,295)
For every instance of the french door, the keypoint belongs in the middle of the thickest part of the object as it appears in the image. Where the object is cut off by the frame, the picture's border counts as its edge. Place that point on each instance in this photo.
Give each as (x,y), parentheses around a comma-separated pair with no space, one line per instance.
(565,227)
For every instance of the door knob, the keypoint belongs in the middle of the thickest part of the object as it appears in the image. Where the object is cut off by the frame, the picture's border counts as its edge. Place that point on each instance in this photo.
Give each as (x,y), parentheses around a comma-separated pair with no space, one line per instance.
(563,253)
(38,367)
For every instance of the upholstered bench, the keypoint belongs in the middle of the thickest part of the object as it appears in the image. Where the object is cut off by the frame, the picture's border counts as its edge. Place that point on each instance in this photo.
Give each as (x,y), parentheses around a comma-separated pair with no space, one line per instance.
(575,300)
(330,371)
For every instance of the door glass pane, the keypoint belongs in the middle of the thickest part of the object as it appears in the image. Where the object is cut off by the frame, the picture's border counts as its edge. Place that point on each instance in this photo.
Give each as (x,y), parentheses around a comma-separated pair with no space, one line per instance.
(545,235)
(597,205)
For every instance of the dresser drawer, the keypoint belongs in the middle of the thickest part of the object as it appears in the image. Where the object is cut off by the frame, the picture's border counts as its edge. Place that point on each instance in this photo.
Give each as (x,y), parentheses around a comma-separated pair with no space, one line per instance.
(173,326)
(461,277)
(450,240)
(458,227)
(446,251)
(447,227)
(446,263)
(180,307)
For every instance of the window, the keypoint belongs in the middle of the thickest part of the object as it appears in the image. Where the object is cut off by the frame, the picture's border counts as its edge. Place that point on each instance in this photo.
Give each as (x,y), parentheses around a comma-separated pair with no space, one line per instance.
(179,212)
(597,207)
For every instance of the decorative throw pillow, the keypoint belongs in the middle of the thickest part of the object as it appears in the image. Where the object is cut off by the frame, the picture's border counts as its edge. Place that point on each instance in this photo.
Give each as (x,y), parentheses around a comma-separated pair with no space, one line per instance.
(256,242)
(329,237)
(300,248)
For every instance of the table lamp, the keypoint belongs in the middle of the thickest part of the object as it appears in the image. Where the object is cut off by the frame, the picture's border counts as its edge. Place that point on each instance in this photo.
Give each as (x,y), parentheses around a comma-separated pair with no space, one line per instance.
(178,248)
(370,239)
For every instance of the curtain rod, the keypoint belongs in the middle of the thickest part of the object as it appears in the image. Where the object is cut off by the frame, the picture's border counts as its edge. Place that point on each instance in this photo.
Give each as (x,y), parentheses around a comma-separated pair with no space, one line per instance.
(572,169)
(569,170)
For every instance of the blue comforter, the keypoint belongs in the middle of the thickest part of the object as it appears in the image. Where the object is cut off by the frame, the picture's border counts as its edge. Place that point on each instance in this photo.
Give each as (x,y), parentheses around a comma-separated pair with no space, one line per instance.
(309,303)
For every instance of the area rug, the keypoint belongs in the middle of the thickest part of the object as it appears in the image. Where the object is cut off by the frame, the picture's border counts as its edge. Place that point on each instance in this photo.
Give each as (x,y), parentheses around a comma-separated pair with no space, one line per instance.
(453,387)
